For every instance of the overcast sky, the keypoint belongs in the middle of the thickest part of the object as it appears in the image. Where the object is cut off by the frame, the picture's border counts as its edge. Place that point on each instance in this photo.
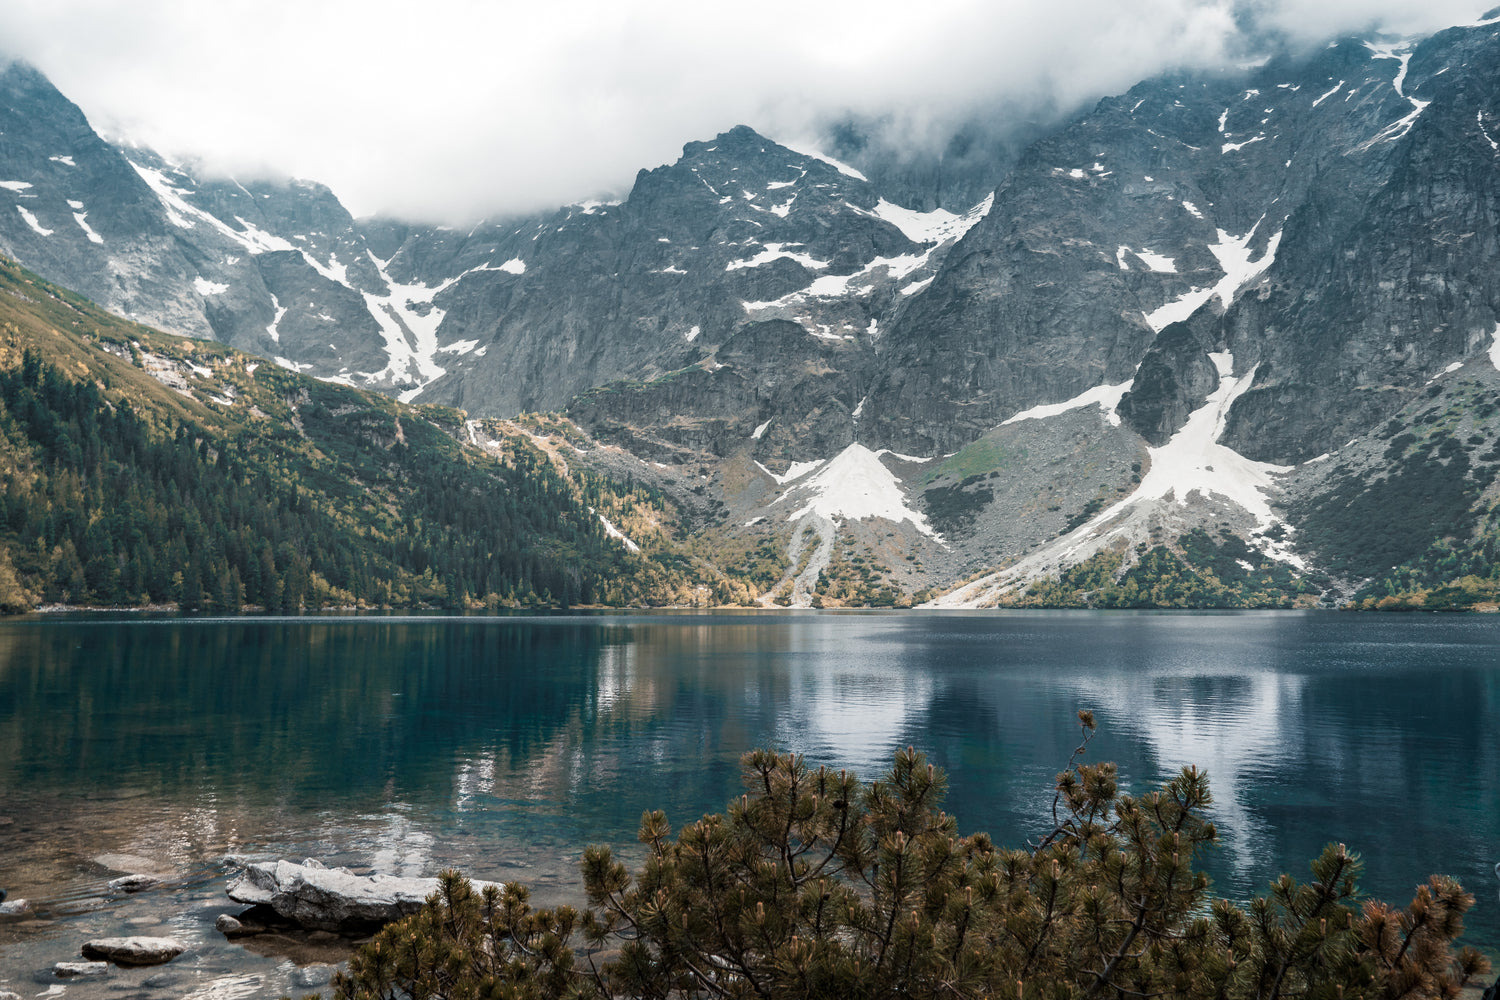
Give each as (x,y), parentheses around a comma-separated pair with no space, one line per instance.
(455,109)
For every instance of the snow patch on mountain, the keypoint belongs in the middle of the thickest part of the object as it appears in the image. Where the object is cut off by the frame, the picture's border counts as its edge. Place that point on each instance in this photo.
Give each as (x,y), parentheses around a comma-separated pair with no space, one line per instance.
(814,154)
(1479,117)
(1192,462)
(794,472)
(16,186)
(855,485)
(410,337)
(1235,259)
(1160,263)
(273,330)
(82,219)
(1336,88)
(206,287)
(31,221)
(1233,254)
(1106,397)
(616,533)
(776,251)
(1401,52)
(333,270)
(938,226)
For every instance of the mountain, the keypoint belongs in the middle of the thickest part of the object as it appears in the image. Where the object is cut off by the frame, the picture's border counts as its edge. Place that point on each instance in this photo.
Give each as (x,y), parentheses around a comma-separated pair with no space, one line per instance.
(1167,351)
(143,468)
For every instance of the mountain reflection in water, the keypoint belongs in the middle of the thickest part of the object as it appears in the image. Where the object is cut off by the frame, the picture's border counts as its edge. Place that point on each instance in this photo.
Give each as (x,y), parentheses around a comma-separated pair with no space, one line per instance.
(503,745)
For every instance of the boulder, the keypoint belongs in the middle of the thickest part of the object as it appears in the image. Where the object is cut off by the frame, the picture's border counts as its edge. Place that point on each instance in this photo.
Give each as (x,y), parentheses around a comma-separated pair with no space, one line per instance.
(133,883)
(132,864)
(15,909)
(233,927)
(67,970)
(134,950)
(332,899)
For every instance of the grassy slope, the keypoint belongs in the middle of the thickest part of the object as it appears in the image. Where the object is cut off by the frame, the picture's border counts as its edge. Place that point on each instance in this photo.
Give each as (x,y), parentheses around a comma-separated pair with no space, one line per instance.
(249,483)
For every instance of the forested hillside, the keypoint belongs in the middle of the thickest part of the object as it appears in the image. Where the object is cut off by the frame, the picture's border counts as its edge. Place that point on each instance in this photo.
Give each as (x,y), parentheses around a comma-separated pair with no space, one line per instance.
(140,468)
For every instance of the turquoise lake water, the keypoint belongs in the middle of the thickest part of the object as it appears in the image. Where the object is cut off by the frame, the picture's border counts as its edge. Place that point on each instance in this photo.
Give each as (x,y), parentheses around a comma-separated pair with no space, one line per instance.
(502,745)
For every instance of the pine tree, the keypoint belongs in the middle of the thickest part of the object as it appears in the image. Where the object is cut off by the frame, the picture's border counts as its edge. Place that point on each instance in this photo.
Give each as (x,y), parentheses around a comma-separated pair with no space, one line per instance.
(814,885)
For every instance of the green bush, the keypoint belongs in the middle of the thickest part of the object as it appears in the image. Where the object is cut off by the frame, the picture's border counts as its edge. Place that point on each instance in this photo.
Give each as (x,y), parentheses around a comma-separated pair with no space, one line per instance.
(814,885)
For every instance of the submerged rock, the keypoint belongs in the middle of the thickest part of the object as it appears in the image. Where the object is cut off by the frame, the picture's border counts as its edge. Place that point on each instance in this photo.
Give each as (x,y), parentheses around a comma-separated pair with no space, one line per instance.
(132,864)
(313,976)
(332,899)
(134,950)
(67,970)
(133,883)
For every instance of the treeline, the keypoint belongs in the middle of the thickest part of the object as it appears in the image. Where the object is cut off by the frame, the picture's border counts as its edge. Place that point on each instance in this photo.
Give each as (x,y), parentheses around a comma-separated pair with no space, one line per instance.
(1203,572)
(1450,576)
(360,505)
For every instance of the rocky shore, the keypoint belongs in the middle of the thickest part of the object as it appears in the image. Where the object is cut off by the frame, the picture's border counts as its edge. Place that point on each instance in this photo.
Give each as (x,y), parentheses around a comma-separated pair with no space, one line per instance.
(305,915)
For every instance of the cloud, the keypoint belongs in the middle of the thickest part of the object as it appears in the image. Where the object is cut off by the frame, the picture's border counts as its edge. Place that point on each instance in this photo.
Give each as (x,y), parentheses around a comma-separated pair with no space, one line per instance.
(454,109)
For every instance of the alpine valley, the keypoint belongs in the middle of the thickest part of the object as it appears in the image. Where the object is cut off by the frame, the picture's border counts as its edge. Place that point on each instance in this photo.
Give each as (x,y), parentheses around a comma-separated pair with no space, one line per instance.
(1226,340)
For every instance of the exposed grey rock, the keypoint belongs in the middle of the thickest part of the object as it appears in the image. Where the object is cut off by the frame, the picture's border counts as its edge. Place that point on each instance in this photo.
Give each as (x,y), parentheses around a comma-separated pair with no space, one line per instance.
(133,883)
(15,909)
(134,950)
(233,927)
(68,970)
(1172,381)
(332,900)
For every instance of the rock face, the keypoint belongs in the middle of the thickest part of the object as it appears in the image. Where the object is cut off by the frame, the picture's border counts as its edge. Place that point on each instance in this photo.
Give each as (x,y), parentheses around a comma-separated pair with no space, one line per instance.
(332,899)
(1262,265)
(1325,219)
(133,950)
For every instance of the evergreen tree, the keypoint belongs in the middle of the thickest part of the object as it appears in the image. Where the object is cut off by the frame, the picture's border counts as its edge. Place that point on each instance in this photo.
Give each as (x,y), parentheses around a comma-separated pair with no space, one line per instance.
(814,885)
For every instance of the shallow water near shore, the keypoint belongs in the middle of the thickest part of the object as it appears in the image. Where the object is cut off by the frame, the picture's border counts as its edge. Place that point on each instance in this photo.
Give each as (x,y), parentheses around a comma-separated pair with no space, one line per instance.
(502,746)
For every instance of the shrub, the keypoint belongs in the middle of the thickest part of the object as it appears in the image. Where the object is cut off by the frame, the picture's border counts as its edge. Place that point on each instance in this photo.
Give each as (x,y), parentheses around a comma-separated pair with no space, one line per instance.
(814,885)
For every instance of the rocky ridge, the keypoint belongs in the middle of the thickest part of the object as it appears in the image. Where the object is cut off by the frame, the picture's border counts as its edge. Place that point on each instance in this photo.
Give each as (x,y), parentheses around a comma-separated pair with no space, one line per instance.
(1165,305)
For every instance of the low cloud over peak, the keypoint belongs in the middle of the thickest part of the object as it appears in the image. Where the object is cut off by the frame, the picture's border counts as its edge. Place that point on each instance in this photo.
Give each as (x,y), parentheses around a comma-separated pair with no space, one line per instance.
(454,110)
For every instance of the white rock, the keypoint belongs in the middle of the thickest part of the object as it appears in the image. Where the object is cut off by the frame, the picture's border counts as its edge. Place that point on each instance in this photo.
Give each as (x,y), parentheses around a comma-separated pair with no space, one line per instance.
(133,883)
(134,950)
(14,909)
(332,899)
(66,970)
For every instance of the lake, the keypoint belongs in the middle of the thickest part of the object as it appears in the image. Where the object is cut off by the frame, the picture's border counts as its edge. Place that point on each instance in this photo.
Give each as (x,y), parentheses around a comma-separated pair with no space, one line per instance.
(503,745)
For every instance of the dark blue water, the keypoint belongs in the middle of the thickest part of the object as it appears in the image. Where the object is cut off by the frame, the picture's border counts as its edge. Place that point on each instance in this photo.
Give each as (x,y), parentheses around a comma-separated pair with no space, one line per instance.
(503,745)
